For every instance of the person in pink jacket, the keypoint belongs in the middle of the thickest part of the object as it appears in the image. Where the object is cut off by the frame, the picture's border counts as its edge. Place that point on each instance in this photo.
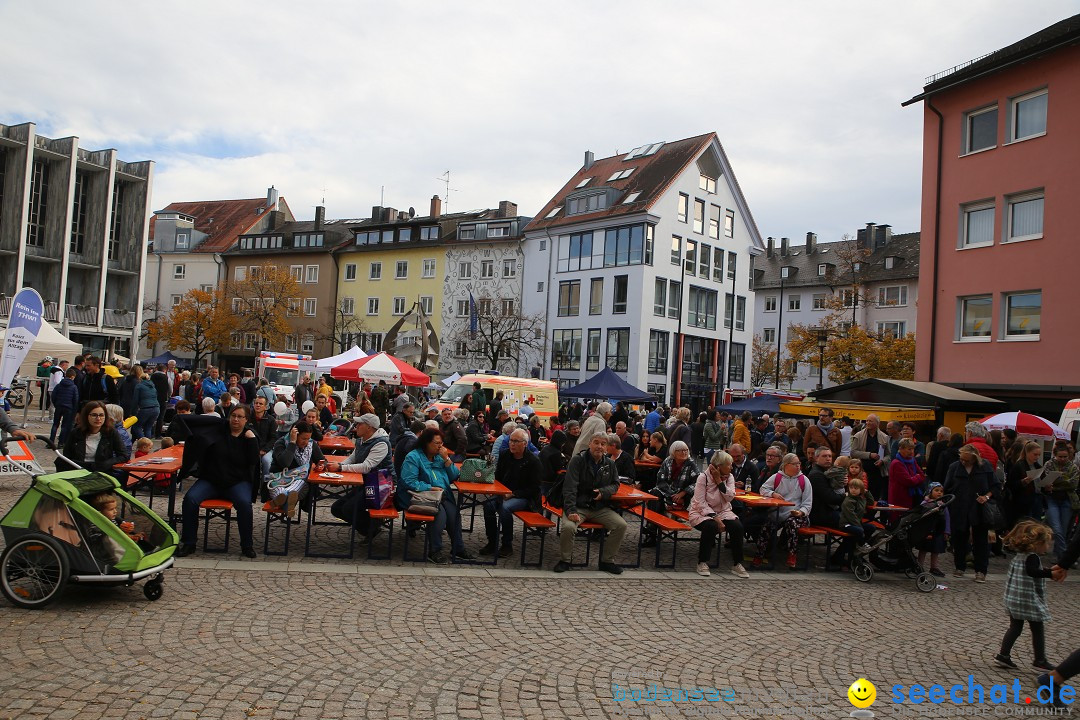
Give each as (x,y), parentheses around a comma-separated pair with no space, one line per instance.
(906,478)
(711,513)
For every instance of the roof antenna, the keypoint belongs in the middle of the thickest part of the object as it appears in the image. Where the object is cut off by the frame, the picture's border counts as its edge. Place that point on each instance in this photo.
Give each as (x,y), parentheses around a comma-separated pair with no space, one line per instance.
(445,178)
(324,195)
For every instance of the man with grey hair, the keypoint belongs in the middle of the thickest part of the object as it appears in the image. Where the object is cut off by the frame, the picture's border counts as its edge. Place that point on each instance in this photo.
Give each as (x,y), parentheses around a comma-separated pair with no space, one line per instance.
(372,452)
(520,471)
(590,481)
(595,424)
(209,407)
(454,438)
(976,434)
(624,461)
(871,447)
(503,441)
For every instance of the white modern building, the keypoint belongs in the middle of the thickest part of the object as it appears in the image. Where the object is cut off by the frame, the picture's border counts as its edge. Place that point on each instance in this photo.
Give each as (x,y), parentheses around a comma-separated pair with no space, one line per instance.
(642,262)
(872,279)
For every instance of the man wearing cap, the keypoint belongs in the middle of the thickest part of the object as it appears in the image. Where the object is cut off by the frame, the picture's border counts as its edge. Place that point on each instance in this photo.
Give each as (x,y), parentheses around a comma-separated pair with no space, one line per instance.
(372,452)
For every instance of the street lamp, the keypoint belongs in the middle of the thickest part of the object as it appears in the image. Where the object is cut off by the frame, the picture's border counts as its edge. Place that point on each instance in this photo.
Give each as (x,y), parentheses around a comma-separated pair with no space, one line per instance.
(558,361)
(822,340)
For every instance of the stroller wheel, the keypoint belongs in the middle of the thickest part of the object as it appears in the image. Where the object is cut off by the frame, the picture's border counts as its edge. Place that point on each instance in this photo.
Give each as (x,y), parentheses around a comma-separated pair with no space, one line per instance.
(926,582)
(33,571)
(864,572)
(154,588)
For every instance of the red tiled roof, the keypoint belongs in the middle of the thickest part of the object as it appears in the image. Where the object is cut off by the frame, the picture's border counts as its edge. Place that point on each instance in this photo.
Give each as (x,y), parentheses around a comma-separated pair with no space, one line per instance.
(231,218)
(652,175)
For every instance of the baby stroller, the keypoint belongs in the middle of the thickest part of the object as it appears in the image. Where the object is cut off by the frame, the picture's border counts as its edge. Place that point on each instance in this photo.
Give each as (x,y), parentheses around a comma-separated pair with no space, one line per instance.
(53,536)
(916,523)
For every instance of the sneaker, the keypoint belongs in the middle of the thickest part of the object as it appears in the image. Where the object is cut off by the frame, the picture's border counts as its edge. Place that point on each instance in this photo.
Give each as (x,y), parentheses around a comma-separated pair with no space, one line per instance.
(1004,661)
(506,550)
(1043,664)
(1046,681)
(561,566)
(488,549)
(958,573)
(703,569)
(610,568)
(792,560)
(980,577)
(439,558)
(464,554)
(936,573)
(739,571)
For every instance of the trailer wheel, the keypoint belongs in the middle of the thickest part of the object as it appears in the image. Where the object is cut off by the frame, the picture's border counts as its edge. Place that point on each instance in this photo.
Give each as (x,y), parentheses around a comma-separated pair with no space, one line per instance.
(33,571)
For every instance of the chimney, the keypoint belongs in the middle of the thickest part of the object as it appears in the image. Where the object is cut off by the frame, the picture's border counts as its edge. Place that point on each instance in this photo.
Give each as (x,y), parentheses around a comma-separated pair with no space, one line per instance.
(389,214)
(811,243)
(783,247)
(436,206)
(882,236)
(770,248)
(589,159)
(376,213)
(271,198)
(320,216)
(275,220)
(507,209)
(865,238)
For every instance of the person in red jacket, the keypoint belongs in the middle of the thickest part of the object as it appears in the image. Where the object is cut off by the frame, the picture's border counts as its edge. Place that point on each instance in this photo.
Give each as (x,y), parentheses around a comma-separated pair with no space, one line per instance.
(978,436)
(906,478)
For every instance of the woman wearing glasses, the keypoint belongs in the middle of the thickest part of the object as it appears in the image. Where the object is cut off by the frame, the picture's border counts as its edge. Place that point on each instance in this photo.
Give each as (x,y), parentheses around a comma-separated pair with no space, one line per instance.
(94,443)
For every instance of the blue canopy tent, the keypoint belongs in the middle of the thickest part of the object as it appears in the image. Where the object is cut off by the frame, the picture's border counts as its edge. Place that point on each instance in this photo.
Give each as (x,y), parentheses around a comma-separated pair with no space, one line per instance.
(756,405)
(606,385)
(165,357)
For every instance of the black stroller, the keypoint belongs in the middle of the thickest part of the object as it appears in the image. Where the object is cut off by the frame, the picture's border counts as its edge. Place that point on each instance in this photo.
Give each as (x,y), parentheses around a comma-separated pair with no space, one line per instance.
(895,549)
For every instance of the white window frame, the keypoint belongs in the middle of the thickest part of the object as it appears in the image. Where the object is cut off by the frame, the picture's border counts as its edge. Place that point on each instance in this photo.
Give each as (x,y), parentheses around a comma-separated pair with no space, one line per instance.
(818,301)
(968,209)
(293,309)
(961,308)
(399,305)
(901,296)
(1010,202)
(465,271)
(487,269)
(1004,334)
(401,270)
(429,268)
(182,240)
(311,274)
(794,303)
(890,262)
(179,271)
(1014,106)
(901,327)
(350,269)
(307,344)
(290,343)
(251,341)
(968,150)
(462,308)
(348,305)
(240,273)
(770,303)
(509,268)
(372,306)
(427,304)
(375,271)
(768,335)
(177,299)
(310,306)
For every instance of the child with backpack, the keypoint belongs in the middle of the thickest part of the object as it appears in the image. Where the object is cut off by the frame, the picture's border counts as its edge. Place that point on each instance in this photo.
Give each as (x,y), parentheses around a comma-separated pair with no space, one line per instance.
(1025,592)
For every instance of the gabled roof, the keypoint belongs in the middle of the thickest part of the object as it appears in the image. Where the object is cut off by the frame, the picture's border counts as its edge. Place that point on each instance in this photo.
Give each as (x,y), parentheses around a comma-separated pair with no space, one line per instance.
(336,233)
(904,246)
(222,220)
(909,393)
(1060,34)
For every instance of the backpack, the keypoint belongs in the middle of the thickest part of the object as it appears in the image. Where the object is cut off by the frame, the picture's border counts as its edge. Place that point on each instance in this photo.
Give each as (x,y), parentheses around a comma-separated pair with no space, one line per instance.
(802,481)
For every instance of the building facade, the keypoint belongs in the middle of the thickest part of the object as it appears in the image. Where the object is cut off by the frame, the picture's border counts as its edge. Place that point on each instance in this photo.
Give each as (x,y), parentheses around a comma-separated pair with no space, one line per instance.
(73,225)
(871,280)
(1000,172)
(642,262)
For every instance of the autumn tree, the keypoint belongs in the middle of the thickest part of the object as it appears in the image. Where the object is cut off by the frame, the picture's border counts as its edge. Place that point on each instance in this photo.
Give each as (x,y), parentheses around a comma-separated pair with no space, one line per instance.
(339,325)
(266,296)
(202,323)
(851,351)
(502,335)
(763,366)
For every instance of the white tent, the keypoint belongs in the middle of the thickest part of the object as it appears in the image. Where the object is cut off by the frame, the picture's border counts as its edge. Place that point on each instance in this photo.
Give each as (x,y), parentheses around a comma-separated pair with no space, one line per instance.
(49,342)
(325,365)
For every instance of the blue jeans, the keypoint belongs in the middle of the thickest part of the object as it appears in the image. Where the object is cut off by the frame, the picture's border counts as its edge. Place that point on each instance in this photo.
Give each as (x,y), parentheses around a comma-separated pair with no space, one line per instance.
(1058,515)
(239,494)
(449,519)
(62,417)
(145,425)
(505,509)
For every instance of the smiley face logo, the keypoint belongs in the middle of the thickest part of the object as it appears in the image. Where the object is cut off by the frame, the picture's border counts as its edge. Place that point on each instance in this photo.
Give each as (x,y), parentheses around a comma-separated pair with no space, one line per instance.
(862,693)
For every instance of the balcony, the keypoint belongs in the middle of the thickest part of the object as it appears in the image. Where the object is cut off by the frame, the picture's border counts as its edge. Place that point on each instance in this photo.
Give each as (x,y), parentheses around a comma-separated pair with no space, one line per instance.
(118,318)
(51,309)
(82,314)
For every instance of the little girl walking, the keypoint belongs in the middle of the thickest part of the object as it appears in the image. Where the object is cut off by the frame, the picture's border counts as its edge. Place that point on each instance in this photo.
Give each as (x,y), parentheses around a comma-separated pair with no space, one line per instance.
(1025,591)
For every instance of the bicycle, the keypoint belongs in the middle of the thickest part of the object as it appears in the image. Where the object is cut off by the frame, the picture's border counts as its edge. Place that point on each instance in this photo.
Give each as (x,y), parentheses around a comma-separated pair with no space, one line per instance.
(19,395)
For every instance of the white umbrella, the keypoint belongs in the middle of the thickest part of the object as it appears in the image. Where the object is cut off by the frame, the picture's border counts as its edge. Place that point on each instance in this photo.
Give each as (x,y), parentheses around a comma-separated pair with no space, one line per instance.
(1024,424)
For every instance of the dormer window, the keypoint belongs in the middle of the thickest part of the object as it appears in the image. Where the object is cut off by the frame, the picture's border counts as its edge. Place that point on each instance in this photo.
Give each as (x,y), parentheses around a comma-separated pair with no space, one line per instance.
(554,211)
(182,241)
(498,231)
(890,262)
(586,203)
(857,267)
(467,233)
(631,198)
(583,183)
(787,271)
(824,269)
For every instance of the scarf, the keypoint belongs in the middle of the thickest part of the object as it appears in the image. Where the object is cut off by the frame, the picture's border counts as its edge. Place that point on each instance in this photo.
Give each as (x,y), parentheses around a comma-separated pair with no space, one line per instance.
(825,428)
(910,464)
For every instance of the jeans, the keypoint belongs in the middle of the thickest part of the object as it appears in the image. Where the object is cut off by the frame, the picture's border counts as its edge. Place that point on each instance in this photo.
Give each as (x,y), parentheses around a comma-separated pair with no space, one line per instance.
(1038,637)
(709,531)
(62,417)
(505,509)
(145,425)
(239,494)
(1070,666)
(449,519)
(979,544)
(1058,515)
(612,521)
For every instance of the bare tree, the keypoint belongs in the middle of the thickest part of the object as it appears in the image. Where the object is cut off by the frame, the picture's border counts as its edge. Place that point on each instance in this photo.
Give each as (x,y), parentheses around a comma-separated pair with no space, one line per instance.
(502,336)
(338,326)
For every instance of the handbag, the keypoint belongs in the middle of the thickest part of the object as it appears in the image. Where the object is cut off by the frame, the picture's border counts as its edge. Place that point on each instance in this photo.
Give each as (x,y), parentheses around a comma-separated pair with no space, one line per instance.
(477,471)
(286,481)
(378,489)
(991,516)
(425,502)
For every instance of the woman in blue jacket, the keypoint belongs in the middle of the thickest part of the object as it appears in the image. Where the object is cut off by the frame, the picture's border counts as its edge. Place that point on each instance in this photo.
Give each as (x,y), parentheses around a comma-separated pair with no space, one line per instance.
(146,405)
(427,467)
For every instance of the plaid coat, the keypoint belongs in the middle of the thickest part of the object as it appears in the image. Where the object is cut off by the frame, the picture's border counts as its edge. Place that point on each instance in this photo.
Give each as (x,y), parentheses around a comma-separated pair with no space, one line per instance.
(1025,596)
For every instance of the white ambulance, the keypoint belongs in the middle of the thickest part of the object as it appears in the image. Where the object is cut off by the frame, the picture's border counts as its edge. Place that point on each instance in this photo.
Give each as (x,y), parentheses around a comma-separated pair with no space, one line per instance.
(281,370)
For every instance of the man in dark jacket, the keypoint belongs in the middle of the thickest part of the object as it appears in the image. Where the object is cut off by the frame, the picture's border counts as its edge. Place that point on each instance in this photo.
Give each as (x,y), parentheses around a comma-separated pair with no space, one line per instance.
(519,470)
(65,400)
(164,392)
(400,423)
(479,400)
(406,444)
(453,433)
(591,480)
(825,511)
(302,392)
(264,424)
(97,385)
(125,391)
(745,472)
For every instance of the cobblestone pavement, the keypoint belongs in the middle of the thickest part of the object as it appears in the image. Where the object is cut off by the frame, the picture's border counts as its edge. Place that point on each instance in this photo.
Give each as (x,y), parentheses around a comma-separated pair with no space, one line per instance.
(288,638)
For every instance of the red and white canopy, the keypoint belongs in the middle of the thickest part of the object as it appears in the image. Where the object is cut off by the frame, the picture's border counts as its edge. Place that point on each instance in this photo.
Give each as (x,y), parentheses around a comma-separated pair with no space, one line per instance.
(381,367)
(1024,424)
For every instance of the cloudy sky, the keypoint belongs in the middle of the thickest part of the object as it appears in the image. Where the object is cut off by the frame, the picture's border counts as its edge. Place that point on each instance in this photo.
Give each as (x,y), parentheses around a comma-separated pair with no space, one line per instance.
(347,100)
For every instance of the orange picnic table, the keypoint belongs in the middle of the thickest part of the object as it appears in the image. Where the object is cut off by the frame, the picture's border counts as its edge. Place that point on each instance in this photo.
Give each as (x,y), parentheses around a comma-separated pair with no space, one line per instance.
(141,473)
(336,443)
(328,485)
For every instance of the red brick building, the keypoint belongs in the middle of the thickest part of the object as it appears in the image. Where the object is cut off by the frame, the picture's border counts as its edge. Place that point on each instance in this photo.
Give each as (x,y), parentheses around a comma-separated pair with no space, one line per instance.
(1001,223)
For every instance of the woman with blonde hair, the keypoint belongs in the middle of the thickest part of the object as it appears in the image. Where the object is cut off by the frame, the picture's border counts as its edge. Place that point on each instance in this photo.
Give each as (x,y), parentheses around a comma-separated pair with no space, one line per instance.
(971,480)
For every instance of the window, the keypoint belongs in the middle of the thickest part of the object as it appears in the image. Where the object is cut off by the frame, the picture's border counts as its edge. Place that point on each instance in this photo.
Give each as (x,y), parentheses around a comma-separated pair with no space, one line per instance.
(792,367)
(566,350)
(890,262)
(251,341)
(79,209)
(718,265)
(618,349)
(621,175)
(624,245)
(583,183)
(375,273)
(769,335)
(618,306)
(891,328)
(240,274)
(294,307)
(770,303)
(1023,312)
(729,223)
(290,343)
(714,221)
(729,308)
(404,234)
(463,308)
(674,299)
(176,300)
(701,308)
(822,269)
(699,216)
(894,295)
(387,236)
(487,269)
(399,305)
(1027,116)
(691,257)
(975,314)
(207,288)
(373,306)
(684,206)
(978,225)
(307,344)
(848,297)
(592,351)
(658,351)
(348,306)
(309,307)
(509,269)
(182,241)
(596,296)
(179,272)
(312,274)
(704,261)
(506,306)
(980,129)
(483,307)
(659,297)
(630,198)
(467,233)
(401,270)
(431,232)
(569,297)
(540,286)
(554,211)
(587,203)
(1025,221)
(736,362)
(350,272)
(819,301)
(254,272)
(732,259)
(576,253)
(676,249)
(465,270)
(707,184)
(794,303)
(297,273)
(427,305)
(429,269)
(648,245)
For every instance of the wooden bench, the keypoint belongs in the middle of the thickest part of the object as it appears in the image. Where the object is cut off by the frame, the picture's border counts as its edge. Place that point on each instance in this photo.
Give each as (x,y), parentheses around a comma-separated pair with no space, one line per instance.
(425,525)
(277,516)
(830,535)
(584,528)
(216,509)
(667,528)
(533,524)
(678,513)
(383,518)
